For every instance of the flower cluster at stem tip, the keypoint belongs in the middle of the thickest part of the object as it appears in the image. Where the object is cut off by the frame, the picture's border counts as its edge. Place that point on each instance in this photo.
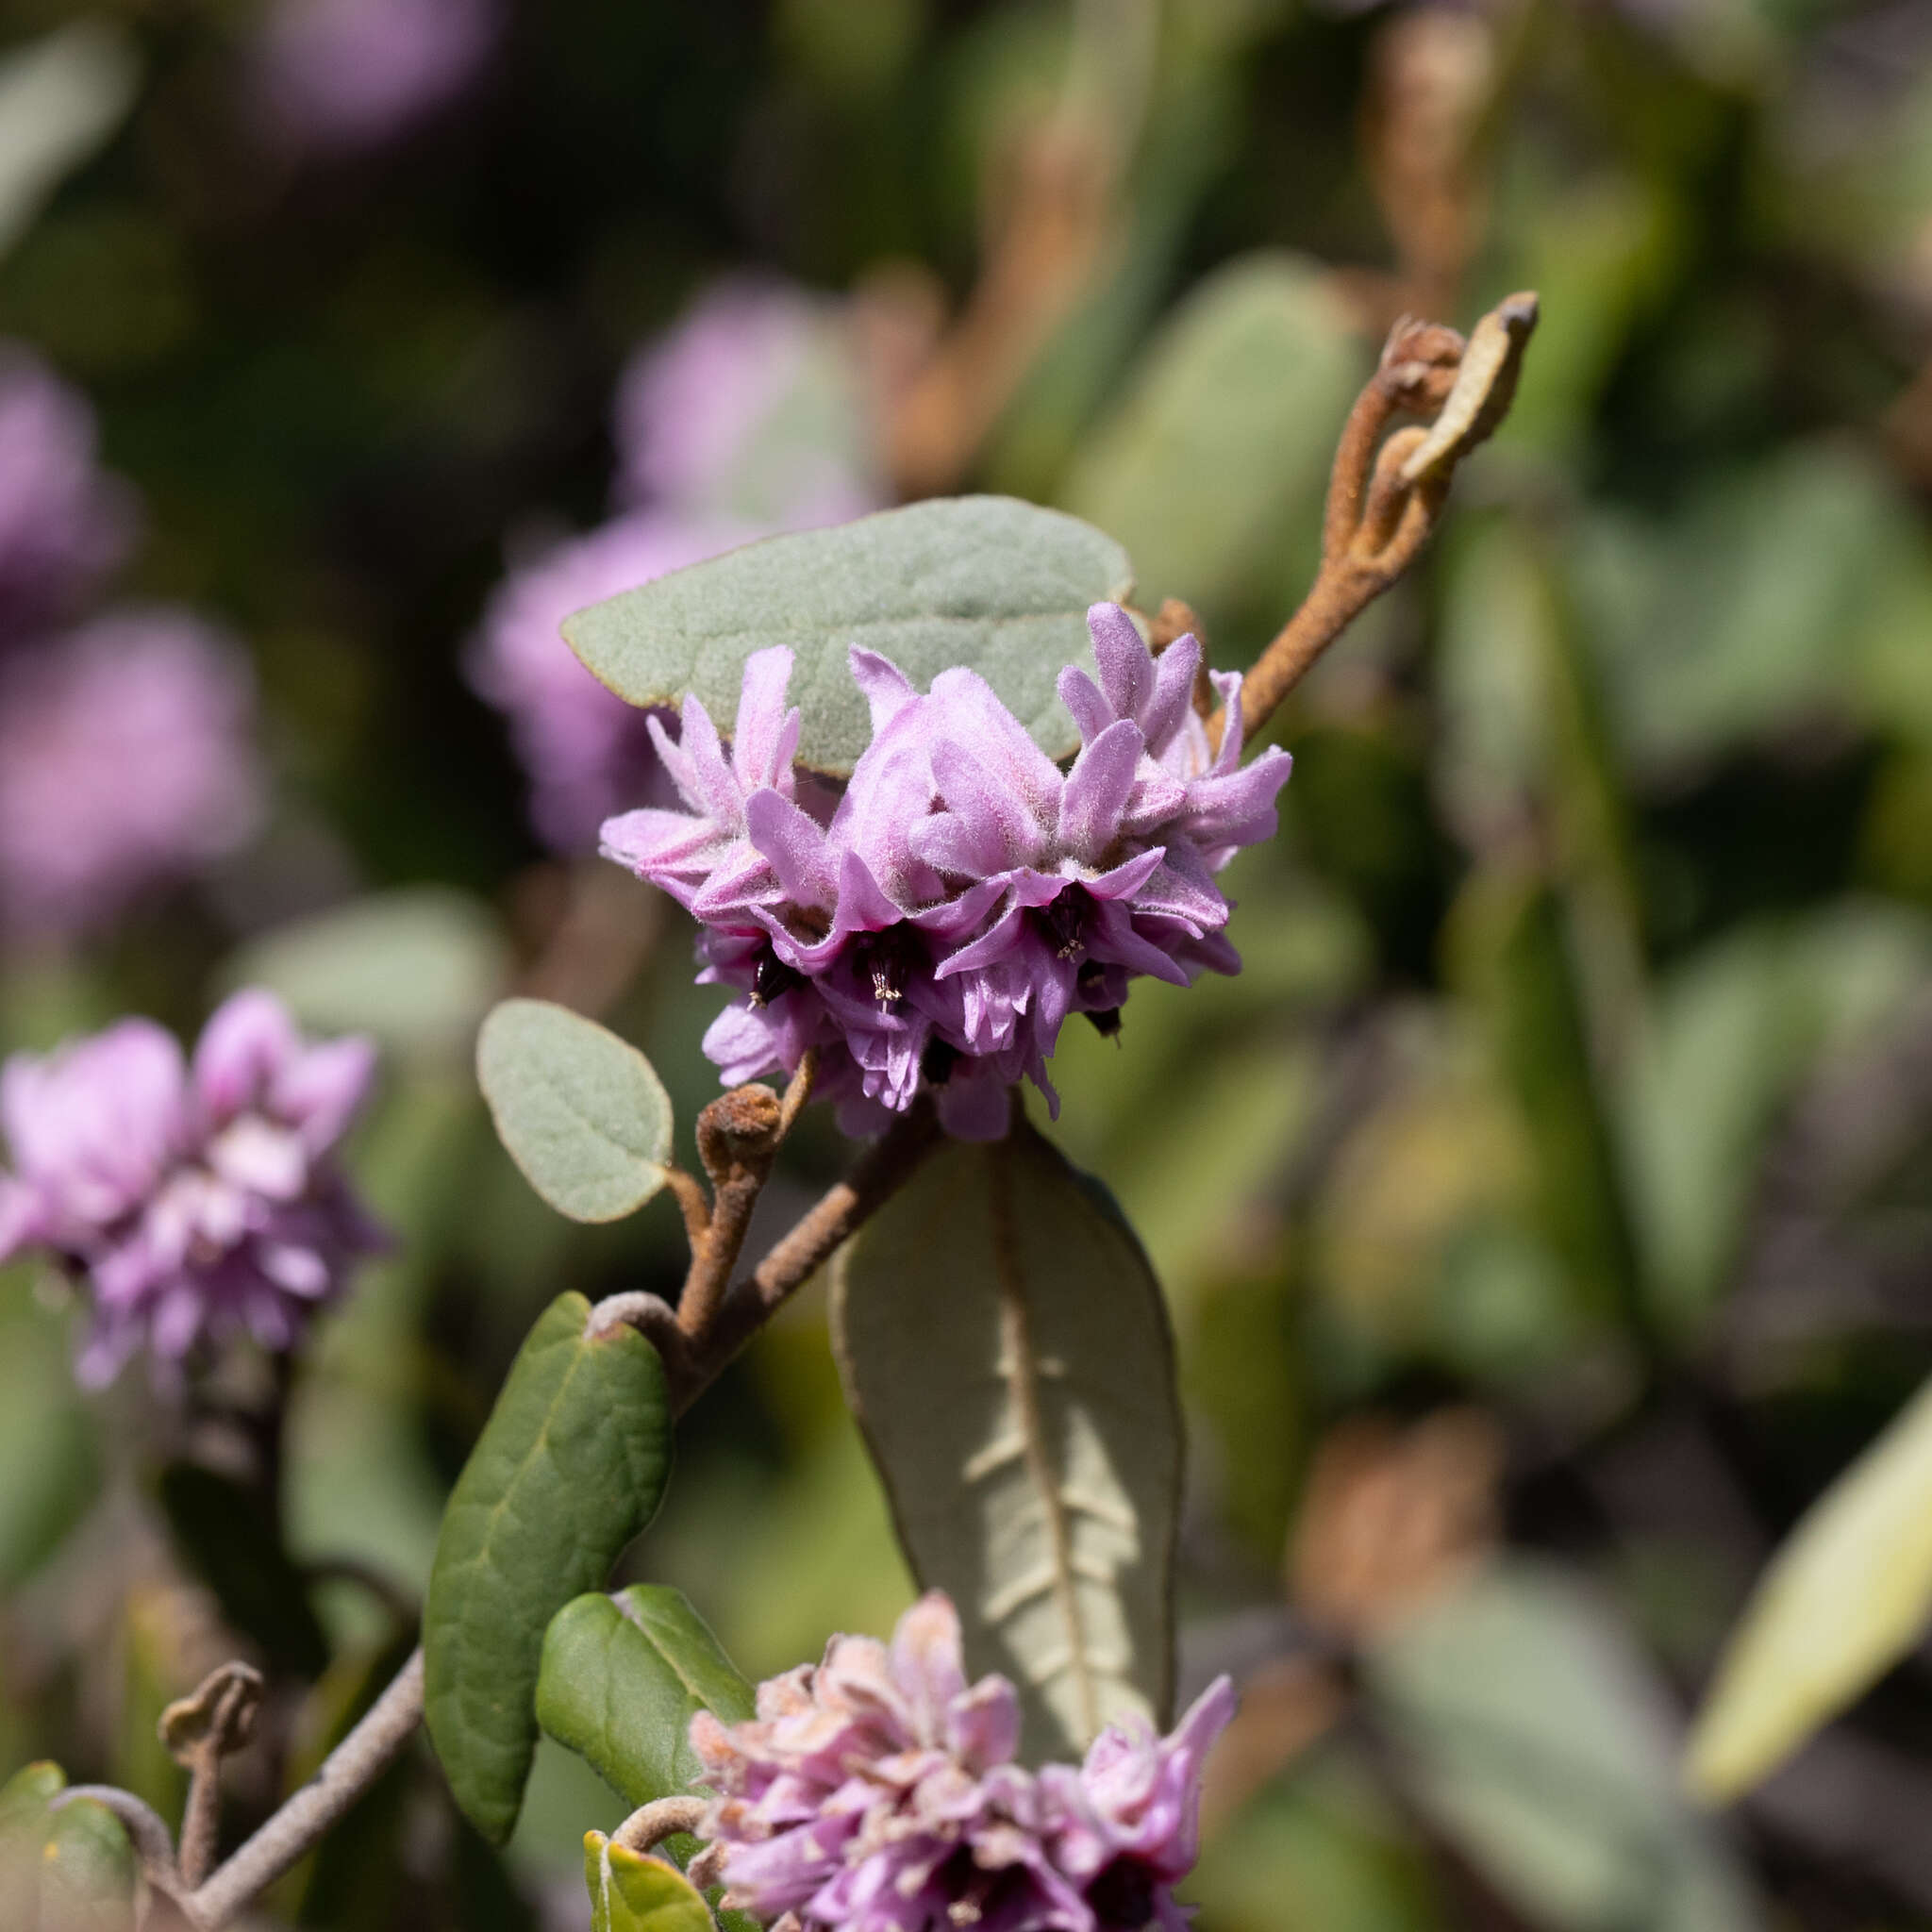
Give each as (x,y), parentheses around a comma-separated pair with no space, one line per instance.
(934,925)
(877,1792)
(199,1198)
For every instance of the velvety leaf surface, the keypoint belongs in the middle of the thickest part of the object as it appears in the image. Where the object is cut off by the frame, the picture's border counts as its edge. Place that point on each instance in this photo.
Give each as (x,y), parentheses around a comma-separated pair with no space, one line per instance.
(1005,1346)
(1226,431)
(632,1893)
(1844,1599)
(583,1113)
(622,1677)
(984,581)
(570,1466)
(1535,1736)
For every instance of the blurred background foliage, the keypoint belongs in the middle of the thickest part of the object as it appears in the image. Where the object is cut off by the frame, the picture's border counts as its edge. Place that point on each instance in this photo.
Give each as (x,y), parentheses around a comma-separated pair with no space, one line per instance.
(1544,1211)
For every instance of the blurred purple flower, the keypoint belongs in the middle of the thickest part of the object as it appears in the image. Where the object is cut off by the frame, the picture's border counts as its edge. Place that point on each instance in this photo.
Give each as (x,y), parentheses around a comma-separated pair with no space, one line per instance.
(126,758)
(748,407)
(877,1792)
(964,896)
(347,75)
(587,752)
(201,1200)
(64,523)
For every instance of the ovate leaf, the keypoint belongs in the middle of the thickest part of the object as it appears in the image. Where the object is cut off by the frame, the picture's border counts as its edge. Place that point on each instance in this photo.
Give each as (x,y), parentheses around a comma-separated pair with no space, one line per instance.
(622,1677)
(984,581)
(1847,1596)
(1227,431)
(583,1113)
(1533,1734)
(61,98)
(570,1467)
(632,1893)
(1004,1344)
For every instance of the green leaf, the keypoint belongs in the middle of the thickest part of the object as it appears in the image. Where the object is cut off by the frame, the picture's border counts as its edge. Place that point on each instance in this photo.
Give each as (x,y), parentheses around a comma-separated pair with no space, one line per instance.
(984,581)
(582,1112)
(622,1677)
(226,1534)
(67,1871)
(569,1468)
(87,1871)
(1535,1736)
(46,1444)
(1848,1594)
(416,967)
(633,1894)
(1226,432)
(1004,1344)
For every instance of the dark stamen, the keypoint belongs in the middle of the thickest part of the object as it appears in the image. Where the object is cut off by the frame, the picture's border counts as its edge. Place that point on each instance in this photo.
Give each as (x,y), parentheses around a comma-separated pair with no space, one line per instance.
(1065,921)
(770,979)
(889,958)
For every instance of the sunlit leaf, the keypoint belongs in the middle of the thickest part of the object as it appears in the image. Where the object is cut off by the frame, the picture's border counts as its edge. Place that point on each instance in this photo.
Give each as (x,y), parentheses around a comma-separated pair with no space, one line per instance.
(70,1870)
(569,1468)
(1004,1344)
(1533,1734)
(1848,1596)
(633,1894)
(984,581)
(583,1113)
(621,1678)
(1226,432)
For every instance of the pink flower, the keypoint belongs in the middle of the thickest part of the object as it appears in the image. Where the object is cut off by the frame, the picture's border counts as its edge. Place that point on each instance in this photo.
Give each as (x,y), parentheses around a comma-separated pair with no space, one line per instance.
(877,1792)
(200,1201)
(587,752)
(748,408)
(347,75)
(63,522)
(939,924)
(126,760)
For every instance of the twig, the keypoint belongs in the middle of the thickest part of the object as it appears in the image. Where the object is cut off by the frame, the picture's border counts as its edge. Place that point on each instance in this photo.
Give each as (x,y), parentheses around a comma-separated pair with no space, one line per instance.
(1384,497)
(650,1825)
(198,1732)
(145,1830)
(880,1171)
(348,1771)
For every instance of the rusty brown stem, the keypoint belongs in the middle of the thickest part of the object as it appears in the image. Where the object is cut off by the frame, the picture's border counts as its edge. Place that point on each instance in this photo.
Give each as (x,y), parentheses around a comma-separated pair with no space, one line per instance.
(1385,492)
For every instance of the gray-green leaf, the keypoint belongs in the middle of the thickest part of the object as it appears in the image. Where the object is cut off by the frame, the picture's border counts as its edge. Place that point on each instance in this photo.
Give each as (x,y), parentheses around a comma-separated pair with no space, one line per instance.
(1846,1597)
(622,1677)
(984,581)
(1004,1344)
(1536,1737)
(1225,433)
(583,1113)
(570,1467)
(66,1870)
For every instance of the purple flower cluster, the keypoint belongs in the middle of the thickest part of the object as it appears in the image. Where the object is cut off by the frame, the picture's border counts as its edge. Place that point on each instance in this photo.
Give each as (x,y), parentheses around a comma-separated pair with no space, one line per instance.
(200,1200)
(938,925)
(692,422)
(126,757)
(342,76)
(877,1792)
(64,523)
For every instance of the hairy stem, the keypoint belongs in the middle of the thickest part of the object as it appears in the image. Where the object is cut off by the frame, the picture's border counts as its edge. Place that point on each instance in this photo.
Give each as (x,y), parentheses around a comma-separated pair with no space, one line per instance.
(348,1771)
